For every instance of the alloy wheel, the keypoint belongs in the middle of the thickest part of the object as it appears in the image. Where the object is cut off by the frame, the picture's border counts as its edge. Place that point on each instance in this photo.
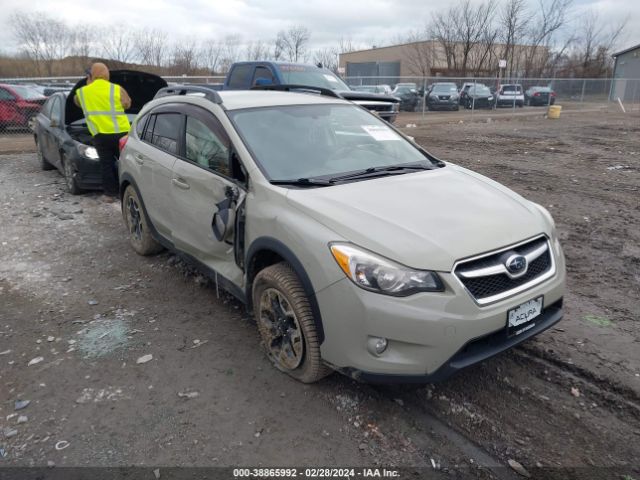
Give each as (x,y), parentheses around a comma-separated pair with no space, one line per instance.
(281,331)
(134,219)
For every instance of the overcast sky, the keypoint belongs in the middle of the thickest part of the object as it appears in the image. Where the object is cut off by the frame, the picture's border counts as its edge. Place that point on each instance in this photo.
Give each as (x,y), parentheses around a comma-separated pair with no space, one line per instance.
(365,22)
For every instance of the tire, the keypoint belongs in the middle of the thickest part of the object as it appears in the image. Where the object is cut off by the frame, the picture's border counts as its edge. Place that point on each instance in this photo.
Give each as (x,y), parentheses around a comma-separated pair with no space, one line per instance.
(43,162)
(69,178)
(137,224)
(283,314)
(31,122)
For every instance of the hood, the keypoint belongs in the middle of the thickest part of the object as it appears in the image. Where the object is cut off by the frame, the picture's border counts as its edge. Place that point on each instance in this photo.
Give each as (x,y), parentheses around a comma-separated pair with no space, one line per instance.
(425,220)
(141,87)
(378,97)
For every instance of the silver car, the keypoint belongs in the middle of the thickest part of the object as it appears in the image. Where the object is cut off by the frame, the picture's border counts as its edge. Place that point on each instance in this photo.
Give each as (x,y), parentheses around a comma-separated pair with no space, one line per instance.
(355,249)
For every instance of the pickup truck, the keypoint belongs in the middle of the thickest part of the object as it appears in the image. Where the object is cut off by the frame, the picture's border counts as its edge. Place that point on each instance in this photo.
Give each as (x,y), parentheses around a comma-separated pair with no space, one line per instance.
(246,75)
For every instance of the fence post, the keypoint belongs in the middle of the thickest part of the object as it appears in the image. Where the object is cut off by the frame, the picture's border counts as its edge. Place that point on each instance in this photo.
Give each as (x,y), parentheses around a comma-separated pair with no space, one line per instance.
(424,95)
(584,84)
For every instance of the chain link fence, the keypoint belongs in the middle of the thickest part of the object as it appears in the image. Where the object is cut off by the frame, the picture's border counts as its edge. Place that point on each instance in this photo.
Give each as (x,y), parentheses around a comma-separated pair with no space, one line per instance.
(22,98)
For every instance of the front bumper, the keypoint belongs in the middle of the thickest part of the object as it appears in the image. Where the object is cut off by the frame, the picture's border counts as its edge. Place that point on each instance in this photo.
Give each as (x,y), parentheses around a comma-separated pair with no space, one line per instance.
(430,335)
(88,174)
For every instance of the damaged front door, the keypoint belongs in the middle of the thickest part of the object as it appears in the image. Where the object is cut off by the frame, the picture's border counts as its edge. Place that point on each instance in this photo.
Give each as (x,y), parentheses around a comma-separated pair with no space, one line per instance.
(205,197)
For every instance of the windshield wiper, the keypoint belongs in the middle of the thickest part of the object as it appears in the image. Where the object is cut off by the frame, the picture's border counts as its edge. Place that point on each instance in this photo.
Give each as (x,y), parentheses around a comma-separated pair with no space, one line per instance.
(302,182)
(379,172)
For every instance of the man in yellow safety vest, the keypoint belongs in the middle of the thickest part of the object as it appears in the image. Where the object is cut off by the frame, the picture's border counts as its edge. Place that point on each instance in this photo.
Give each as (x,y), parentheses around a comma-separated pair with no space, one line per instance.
(103,104)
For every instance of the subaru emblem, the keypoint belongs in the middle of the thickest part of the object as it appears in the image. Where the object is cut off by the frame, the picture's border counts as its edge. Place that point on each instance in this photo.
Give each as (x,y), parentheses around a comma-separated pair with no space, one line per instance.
(516,265)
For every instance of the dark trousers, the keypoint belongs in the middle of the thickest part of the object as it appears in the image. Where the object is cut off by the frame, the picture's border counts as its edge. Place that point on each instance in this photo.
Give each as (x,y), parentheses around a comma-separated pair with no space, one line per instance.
(107,146)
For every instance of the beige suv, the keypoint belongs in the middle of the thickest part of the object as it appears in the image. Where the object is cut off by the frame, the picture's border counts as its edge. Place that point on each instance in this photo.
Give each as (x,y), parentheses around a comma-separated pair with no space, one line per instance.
(356,249)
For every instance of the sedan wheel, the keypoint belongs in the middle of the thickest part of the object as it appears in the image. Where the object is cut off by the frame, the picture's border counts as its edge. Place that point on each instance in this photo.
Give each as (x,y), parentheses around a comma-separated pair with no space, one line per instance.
(69,177)
(31,123)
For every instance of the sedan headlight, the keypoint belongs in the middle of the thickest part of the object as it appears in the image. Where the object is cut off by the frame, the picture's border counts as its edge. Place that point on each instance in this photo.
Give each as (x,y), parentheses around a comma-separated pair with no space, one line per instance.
(88,152)
(381,275)
(490,98)
(454,97)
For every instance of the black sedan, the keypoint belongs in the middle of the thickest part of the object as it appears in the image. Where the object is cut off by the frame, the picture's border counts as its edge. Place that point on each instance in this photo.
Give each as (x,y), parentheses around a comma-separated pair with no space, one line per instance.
(539,96)
(479,96)
(62,137)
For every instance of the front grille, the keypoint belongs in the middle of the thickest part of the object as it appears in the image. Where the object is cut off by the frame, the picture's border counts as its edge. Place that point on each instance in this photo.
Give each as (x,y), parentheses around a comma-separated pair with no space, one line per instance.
(444,97)
(488,286)
(381,108)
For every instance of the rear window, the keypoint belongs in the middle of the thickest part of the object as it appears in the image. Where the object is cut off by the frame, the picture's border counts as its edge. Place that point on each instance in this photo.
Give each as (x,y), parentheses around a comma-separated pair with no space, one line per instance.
(238,76)
(140,123)
(512,88)
(28,93)
(166,131)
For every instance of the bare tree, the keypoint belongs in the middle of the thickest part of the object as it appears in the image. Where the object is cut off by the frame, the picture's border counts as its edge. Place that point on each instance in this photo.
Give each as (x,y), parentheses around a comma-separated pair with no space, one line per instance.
(328,57)
(151,47)
(257,50)
(420,53)
(118,43)
(549,19)
(292,43)
(512,27)
(230,51)
(211,53)
(184,57)
(42,38)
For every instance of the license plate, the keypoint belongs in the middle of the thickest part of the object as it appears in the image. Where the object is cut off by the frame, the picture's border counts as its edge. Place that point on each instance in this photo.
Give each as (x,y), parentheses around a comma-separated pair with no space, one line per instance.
(520,318)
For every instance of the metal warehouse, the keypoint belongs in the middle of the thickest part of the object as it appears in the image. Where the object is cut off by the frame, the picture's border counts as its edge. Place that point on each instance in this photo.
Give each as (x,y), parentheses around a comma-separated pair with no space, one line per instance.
(626,75)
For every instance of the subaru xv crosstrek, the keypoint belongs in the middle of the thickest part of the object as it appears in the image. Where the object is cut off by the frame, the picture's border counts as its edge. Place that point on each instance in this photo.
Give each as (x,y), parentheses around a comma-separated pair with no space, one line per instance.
(355,248)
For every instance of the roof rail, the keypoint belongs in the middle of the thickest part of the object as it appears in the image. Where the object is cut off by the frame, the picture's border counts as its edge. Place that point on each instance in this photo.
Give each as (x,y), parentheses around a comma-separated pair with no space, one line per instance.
(209,93)
(302,88)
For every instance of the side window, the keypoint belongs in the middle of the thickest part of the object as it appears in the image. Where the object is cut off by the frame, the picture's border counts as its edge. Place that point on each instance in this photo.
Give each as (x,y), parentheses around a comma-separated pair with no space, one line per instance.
(140,122)
(238,77)
(148,134)
(207,147)
(56,113)
(262,73)
(166,131)
(46,108)
(6,95)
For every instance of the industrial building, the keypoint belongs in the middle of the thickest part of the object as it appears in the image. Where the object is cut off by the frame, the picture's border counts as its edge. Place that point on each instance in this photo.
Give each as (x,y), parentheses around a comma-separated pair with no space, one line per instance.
(626,75)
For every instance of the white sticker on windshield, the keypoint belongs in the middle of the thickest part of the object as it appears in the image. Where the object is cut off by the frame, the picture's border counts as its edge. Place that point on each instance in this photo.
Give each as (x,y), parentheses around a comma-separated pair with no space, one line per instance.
(331,78)
(381,133)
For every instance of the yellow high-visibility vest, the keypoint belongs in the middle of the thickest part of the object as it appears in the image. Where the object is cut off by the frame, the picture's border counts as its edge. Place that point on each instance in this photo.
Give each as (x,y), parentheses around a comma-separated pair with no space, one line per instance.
(102,108)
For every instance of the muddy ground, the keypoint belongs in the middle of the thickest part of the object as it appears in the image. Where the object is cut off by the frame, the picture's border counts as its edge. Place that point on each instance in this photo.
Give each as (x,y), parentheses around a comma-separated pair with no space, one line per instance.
(73,292)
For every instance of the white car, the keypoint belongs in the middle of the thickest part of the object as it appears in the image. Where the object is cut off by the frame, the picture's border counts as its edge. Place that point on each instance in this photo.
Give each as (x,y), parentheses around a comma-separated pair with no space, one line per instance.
(355,248)
(510,95)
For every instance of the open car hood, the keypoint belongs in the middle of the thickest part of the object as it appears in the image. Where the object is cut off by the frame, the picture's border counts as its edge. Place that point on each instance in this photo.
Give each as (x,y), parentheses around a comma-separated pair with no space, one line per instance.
(141,87)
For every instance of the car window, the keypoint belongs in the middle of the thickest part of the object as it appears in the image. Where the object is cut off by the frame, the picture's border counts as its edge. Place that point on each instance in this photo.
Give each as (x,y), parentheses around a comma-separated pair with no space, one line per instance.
(512,88)
(262,72)
(6,94)
(140,123)
(238,77)
(166,131)
(206,147)
(56,111)
(294,74)
(46,108)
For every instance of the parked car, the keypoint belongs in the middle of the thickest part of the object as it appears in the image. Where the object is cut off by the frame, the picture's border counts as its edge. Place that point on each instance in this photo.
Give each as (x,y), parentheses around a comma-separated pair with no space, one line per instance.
(442,96)
(385,89)
(509,95)
(478,96)
(464,89)
(62,137)
(247,75)
(355,248)
(19,106)
(408,95)
(539,96)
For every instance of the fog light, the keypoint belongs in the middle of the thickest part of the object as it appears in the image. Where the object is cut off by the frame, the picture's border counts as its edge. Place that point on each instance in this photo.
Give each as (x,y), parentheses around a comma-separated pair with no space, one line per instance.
(377,345)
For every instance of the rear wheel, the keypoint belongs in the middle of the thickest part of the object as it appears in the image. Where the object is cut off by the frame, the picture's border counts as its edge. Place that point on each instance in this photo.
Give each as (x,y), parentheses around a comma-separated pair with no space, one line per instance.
(137,224)
(69,176)
(286,324)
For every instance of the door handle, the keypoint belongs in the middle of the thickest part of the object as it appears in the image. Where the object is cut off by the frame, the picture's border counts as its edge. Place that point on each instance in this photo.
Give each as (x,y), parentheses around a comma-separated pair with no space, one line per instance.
(138,158)
(180,183)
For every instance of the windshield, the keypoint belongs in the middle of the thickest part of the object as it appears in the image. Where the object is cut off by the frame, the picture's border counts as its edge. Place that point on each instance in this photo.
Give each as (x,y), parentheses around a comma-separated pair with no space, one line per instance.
(480,90)
(27,93)
(365,88)
(444,89)
(312,76)
(308,141)
(405,89)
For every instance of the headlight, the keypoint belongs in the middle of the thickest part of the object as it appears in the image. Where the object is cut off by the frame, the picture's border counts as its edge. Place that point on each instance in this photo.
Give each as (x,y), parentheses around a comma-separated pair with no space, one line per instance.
(396,107)
(88,152)
(490,98)
(378,274)
(454,97)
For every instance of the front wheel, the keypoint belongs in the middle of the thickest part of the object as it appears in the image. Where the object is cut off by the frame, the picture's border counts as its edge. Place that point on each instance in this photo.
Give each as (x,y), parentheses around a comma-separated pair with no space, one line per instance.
(286,324)
(138,225)
(69,177)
